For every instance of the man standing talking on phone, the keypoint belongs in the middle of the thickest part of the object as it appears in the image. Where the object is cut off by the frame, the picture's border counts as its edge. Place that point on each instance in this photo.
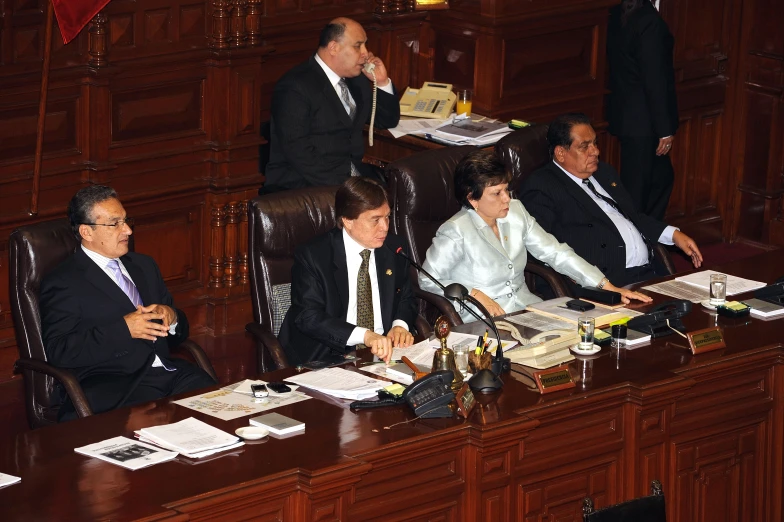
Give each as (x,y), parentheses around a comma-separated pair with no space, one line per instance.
(319,110)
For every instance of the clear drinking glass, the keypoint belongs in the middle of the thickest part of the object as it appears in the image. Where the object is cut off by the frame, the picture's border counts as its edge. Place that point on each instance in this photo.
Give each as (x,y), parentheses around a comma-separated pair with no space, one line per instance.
(464,102)
(585,329)
(718,289)
(461,357)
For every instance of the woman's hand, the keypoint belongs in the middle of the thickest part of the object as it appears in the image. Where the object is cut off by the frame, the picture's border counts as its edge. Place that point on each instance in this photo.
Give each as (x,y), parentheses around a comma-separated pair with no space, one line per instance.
(492,306)
(627,295)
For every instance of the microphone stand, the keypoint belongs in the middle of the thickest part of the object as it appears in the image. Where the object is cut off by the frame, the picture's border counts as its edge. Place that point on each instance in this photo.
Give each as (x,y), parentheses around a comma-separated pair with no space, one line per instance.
(484,380)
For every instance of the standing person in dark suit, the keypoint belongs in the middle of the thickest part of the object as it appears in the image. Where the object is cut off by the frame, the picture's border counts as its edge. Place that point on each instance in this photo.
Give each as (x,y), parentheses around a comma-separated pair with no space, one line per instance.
(107,315)
(581,201)
(348,288)
(643,108)
(319,110)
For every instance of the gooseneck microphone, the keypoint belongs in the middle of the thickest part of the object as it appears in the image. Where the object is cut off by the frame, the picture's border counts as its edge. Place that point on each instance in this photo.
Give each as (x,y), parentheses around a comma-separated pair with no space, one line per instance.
(459,293)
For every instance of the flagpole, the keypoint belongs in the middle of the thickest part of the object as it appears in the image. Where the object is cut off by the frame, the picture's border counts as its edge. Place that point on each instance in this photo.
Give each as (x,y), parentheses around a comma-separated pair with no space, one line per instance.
(39,137)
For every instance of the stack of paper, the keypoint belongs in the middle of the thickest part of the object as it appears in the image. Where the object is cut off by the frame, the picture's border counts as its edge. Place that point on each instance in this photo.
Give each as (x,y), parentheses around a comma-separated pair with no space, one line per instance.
(340,383)
(127,453)
(7,480)
(191,437)
(760,308)
(470,132)
(694,287)
(556,308)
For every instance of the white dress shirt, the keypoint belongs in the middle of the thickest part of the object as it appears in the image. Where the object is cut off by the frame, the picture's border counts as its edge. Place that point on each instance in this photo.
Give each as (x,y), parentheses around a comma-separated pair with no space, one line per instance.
(334,79)
(636,249)
(103,264)
(353,262)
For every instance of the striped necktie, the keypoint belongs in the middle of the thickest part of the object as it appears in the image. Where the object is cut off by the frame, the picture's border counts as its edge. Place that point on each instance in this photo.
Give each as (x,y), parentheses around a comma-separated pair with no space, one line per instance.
(125,283)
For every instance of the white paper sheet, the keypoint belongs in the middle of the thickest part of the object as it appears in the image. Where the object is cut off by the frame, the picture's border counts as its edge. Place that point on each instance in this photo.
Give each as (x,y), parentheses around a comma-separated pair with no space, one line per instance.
(541,323)
(679,290)
(224,404)
(735,285)
(416,126)
(7,480)
(125,452)
(189,436)
(243,387)
(340,383)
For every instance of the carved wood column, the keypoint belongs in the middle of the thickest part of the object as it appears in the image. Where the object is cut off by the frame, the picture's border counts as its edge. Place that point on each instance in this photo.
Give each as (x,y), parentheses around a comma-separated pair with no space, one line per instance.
(220,25)
(230,258)
(217,234)
(98,41)
(238,35)
(253,22)
(242,244)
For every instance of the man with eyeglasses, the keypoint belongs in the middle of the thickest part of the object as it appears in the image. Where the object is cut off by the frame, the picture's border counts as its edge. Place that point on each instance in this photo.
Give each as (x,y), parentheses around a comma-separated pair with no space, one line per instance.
(108,317)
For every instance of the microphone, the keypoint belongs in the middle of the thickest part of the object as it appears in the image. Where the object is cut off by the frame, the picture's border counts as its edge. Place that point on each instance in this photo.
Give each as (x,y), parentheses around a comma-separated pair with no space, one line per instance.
(459,293)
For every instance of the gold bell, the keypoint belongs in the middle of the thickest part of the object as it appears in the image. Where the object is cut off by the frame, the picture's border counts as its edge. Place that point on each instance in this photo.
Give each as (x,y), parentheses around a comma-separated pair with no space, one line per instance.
(444,357)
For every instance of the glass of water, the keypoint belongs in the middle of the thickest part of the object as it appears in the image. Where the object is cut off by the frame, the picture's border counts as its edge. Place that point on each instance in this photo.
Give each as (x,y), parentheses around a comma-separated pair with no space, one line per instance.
(461,357)
(585,328)
(718,289)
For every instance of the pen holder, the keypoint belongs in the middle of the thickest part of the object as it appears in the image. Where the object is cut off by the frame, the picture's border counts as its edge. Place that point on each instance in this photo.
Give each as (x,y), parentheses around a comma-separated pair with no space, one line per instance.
(479,362)
(484,379)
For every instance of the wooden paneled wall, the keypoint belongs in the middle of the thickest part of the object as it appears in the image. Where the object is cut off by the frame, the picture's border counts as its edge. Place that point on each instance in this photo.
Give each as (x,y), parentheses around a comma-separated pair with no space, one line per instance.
(163,100)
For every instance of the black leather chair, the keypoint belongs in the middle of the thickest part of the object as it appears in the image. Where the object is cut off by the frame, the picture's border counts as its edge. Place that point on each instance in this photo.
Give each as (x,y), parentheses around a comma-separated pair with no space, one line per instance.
(34,251)
(422,189)
(524,151)
(277,224)
(645,509)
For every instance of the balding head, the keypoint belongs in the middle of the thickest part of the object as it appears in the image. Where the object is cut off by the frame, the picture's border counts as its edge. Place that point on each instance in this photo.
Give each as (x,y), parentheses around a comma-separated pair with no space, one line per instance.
(342,47)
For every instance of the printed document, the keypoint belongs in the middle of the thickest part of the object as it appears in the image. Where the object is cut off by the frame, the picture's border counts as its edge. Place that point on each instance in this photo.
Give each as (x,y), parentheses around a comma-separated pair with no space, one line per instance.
(226,404)
(679,290)
(190,437)
(125,452)
(340,383)
(541,323)
(735,285)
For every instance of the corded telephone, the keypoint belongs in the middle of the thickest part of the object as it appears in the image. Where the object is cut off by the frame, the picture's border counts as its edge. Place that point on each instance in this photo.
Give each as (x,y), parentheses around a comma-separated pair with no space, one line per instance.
(772,293)
(430,396)
(432,100)
(656,321)
(370,68)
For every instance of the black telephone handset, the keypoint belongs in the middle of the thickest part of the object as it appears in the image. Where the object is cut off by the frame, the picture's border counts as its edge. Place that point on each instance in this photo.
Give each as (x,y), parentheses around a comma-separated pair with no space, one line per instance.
(430,396)
(772,293)
(655,321)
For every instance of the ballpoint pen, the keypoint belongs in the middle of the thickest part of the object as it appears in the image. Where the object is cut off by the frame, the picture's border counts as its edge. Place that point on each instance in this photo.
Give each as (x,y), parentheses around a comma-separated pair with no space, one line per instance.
(479,345)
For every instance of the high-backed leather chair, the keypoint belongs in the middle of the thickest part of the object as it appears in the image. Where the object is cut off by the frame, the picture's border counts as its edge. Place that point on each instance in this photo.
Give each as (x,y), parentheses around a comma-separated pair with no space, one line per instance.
(34,251)
(644,509)
(277,223)
(422,189)
(525,150)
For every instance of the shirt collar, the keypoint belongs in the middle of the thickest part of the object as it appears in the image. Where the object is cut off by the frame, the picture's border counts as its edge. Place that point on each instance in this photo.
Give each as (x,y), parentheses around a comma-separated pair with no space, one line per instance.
(99,259)
(332,76)
(352,247)
(574,178)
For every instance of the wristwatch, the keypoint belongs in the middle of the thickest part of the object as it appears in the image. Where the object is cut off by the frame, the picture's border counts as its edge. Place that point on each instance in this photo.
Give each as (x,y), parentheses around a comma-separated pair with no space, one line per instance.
(602,283)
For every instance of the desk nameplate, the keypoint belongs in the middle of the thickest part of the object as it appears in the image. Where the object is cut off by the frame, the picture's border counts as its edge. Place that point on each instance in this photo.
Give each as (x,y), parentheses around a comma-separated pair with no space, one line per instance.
(705,340)
(553,379)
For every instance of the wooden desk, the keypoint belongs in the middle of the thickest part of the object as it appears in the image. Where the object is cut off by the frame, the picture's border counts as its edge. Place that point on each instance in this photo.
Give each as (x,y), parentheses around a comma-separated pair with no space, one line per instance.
(710,427)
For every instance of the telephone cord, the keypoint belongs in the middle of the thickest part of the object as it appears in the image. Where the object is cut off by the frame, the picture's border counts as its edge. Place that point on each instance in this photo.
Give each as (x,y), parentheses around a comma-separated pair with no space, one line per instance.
(373,110)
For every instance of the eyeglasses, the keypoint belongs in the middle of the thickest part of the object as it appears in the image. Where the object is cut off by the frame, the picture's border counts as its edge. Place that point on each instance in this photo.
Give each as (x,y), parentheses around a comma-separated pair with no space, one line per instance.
(126,221)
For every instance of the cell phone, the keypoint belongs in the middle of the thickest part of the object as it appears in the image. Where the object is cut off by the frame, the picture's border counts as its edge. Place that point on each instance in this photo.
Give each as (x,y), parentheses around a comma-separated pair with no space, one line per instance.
(580,306)
(259,390)
(278,387)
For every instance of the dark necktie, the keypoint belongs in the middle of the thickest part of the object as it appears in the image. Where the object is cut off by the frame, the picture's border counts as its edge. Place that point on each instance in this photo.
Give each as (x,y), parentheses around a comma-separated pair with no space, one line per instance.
(352,110)
(125,283)
(364,295)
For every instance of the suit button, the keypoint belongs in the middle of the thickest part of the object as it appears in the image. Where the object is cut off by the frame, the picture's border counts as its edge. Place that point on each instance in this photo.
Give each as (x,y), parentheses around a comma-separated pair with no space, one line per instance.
(511,266)
(604,245)
(508,295)
(508,283)
(590,225)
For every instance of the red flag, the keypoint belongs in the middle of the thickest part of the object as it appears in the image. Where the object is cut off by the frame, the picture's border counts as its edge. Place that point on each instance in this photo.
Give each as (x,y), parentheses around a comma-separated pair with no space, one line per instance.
(73,15)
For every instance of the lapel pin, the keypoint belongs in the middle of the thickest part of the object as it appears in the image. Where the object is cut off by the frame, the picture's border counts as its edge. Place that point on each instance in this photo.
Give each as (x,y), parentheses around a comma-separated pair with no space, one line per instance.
(389,271)
(613,184)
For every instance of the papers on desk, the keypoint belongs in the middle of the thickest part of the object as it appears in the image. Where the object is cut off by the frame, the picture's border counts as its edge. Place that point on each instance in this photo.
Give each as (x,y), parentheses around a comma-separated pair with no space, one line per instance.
(735,285)
(542,323)
(416,126)
(679,290)
(7,480)
(340,383)
(191,437)
(465,131)
(125,452)
(760,308)
(556,308)
(225,404)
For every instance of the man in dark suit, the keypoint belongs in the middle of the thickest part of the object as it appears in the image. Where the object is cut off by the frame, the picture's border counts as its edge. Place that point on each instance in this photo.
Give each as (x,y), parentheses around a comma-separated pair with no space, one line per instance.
(643,108)
(349,290)
(319,110)
(581,201)
(107,316)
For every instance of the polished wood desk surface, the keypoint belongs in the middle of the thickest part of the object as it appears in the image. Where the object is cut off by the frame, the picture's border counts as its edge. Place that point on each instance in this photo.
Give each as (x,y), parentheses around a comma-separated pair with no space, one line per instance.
(58,484)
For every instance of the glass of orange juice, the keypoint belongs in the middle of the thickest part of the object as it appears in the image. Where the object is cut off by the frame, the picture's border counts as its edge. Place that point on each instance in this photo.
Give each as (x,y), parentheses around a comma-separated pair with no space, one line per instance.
(464,102)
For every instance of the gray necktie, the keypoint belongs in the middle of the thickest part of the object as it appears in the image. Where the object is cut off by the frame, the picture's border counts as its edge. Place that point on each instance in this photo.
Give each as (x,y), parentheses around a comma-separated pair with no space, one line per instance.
(125,283)
(364,295)
(352,110)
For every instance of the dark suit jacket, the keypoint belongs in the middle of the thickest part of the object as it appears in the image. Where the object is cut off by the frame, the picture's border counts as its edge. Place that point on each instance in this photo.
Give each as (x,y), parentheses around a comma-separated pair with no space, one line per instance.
(643,102)
(313,139)
(82,311)
(315,325)
(566,211)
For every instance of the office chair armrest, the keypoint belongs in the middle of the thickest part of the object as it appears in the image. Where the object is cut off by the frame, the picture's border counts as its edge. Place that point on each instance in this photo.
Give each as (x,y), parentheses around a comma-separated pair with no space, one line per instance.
(551,277)
(64,377)
(423,328)
(196,351)
(442,304)
(664,256)
(266,343)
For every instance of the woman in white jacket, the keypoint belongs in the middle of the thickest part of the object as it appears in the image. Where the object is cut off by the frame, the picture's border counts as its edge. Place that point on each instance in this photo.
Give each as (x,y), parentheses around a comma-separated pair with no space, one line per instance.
(485,245)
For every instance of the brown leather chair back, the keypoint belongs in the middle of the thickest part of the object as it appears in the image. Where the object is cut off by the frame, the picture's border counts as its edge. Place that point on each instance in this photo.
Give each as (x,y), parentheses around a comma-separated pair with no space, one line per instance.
(523,151)
(35,250)
(422,191)
(277,224)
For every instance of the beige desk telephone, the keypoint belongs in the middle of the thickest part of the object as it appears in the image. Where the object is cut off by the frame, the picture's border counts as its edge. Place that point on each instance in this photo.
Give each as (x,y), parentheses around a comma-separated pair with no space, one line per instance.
(543,350)
(432,100)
